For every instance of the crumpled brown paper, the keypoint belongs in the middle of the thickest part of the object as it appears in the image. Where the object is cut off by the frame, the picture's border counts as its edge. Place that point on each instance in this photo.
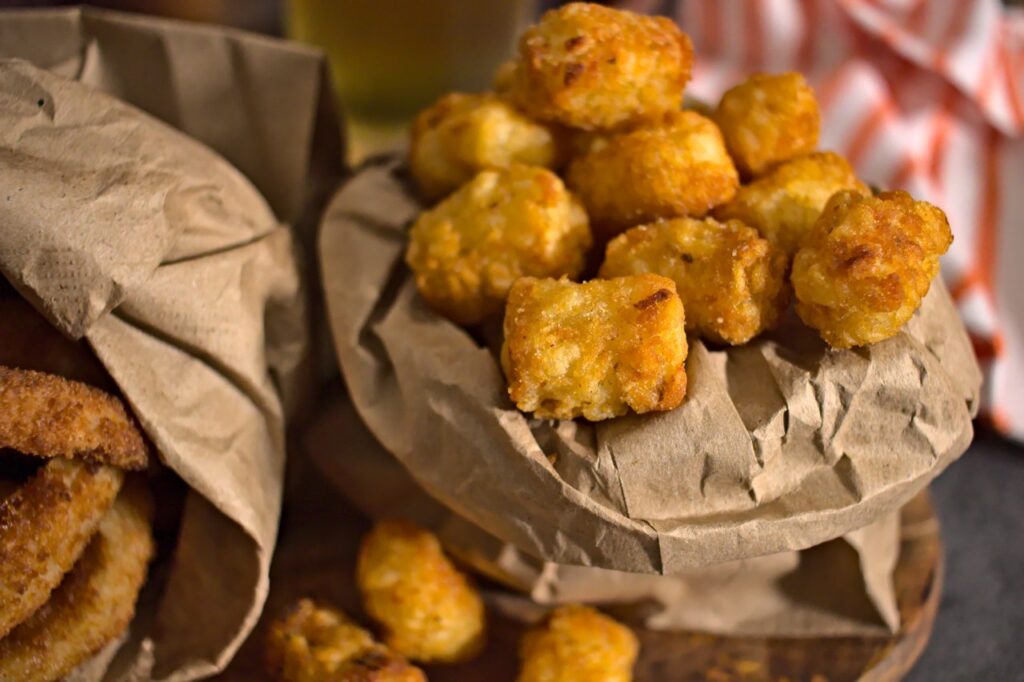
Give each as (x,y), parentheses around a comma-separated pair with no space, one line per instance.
(178,269)
(781,444)
(843,587)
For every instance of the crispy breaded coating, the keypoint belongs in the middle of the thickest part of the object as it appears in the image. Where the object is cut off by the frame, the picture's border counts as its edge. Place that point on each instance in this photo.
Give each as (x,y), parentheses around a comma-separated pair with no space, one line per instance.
(315,643)
(503,224)
(460,135)
(867,264)
(768,118)
(504,77)
(732,281)
(596,349)
(784,203)
(597,68)
(678,167)
(429,610)
(578,644)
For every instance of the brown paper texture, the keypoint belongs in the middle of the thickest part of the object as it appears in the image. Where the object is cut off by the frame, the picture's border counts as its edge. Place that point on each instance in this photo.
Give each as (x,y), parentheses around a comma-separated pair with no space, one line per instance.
(781,444)
(843,587)
(144,238)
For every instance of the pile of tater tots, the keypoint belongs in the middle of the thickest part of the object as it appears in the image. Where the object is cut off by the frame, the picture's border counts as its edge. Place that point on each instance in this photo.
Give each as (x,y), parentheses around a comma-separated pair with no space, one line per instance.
(583,202)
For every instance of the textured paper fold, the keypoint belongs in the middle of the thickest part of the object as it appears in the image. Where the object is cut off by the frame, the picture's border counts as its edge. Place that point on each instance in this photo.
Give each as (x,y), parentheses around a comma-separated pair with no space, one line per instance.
(780,445)
(180,271)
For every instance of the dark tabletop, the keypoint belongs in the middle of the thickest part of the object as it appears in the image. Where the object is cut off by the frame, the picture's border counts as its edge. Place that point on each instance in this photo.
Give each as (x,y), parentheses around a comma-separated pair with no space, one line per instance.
(979,634)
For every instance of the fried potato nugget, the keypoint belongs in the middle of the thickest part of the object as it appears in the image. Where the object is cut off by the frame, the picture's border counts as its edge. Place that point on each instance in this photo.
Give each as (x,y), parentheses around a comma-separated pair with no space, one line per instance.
(429,610)
(463,134)
(578,644)
(867,264)
(595,349)
(678,167)
(597,68)
(503,224)
(768,118)
(784,203)
(732,282)
(314,643)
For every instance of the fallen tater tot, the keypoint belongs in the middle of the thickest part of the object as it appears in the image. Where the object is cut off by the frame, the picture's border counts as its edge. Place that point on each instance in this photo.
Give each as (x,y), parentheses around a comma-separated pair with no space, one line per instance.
(462,134)
(867,264)
(678,167)
(503,224)
(732,282)
(767,119)
(597,68)
(315,643)
(578,644)
(596,349)
(784,203)
(429,610)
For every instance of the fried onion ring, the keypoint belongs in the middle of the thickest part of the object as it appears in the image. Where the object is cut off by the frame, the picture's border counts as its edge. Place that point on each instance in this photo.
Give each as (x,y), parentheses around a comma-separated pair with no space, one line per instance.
(95,602)
(44,527)
(49,416)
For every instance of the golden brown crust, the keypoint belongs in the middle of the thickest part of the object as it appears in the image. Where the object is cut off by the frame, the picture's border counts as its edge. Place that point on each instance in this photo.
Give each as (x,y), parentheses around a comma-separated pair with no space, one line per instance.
(429,610)
(49,416)
(44,527)
(784,203)
(503,224)
(596,349)
(460,135)
(597,68)
(867,264)
(767,119)
(731,281)
(94,603)
(578,644)
(677,167)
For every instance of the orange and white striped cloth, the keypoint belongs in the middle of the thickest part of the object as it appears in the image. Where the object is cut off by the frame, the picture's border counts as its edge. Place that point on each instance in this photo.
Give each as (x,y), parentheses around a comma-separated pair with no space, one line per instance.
(924,95)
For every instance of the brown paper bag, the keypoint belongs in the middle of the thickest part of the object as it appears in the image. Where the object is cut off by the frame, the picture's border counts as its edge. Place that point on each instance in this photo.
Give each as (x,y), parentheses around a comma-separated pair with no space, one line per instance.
(840,588)
(179,271)
(781,444)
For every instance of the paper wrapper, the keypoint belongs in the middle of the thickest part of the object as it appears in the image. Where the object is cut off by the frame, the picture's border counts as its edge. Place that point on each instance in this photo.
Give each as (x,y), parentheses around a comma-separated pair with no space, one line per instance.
(842,587)
(780,445)
(177,268)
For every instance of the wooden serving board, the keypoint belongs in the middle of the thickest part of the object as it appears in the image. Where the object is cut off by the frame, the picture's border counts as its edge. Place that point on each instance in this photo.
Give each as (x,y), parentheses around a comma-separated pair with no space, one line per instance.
(316,555)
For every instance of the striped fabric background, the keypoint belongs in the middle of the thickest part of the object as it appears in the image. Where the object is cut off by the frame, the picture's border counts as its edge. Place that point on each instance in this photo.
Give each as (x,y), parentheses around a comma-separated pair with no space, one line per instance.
(924,95)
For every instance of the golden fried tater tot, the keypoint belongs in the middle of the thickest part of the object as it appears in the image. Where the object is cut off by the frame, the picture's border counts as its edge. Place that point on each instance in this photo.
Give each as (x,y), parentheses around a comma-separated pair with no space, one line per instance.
(731,281)
(867,264)
(784,203)
(429,610)
(595,349)
(767,119)
(462,134)
(316,643)
(578,644)
(598,68)
(678,167)
(504,77)
(503,224)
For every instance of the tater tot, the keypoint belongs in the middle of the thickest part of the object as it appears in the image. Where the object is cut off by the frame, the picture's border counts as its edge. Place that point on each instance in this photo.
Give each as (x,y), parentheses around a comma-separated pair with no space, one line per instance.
(462,134)
(503,224)
(732,282)
(596,349)
(429,610)
(315,643)
(768,119)
(678,167)
(597,68)
(867,264)
(784,203)
(578,644)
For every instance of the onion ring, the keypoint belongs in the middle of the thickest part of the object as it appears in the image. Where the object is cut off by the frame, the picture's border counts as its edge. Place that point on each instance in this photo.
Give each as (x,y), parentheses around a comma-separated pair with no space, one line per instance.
(44,527)
(95,602)
(49,416)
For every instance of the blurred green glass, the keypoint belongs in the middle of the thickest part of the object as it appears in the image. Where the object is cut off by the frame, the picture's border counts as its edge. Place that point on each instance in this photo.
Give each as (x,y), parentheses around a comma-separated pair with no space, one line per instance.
(391,58)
